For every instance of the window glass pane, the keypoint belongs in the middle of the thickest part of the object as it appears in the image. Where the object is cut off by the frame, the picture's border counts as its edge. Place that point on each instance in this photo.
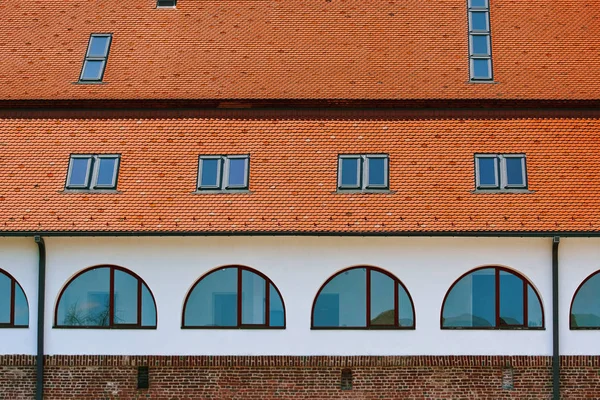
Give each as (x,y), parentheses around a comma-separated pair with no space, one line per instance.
(511,299)
(166,3)
(21,307)
(213,302)
(92,70)
(479,20)
(586,305)
(480,45)
(253,298)
(514,171)
(343,301)
(478,3)
(487,171)
(79,170)
(383,310)
(126,298)
(106,171)
(210,172)
(349,171)
(237,172)
(148,308)
(534,308)
(472,301)
(5,296)
(276,317)
(481,69)
(85,302)
(406,316)
(377,173)
(98,46)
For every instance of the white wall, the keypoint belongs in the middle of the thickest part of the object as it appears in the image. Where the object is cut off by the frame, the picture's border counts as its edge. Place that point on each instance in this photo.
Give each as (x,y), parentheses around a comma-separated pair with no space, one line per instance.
(299,266)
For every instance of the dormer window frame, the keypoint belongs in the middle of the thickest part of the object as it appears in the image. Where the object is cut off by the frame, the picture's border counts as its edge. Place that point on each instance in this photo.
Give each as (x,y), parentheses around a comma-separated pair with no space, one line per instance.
(96,58)
(475,34)
(168,7)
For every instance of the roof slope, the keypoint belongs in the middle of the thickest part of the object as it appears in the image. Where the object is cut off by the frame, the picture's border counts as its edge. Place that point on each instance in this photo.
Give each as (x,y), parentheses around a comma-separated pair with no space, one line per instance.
(293,163)
(298,49)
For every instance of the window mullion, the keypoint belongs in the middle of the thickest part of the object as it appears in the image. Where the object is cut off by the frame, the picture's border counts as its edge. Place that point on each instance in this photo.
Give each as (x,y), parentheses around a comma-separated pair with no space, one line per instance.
(396,305)
(12,302)
(139,303)
(497,289)
(239,297)
(525,305)
(111,298)
(267,308)
(368,293)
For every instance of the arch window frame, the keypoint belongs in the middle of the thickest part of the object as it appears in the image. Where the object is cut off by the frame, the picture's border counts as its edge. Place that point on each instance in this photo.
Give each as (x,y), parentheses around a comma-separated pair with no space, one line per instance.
(497,326)
(368,325)
(239,301)
(111,299)
(582,328)
(13,285)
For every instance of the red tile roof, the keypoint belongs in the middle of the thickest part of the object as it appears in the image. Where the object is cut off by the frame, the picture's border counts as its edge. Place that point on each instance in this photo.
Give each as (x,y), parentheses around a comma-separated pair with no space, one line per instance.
(298,49)
(293,174)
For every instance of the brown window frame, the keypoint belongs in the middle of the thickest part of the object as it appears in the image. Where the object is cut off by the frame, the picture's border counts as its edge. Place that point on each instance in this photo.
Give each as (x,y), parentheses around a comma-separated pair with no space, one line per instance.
(111,300)
(368,325)
(13,284)
(581,328)
(497,325)
(239,324)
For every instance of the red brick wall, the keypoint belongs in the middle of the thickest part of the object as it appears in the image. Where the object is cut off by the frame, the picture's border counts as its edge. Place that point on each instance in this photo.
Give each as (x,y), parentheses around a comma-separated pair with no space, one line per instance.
(283,377)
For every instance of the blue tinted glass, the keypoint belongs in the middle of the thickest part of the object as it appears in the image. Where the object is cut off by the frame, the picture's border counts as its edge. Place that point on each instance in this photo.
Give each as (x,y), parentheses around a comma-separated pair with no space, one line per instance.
(349,171)
(487,171)
(406,316)
(79,171)
(480,45)
(92,70)
(511,299)
(237,172)
(210,173)
(383,310)
(148,308)
(253,298)
(585,312)
(478,3)
(472,301)
(126,298)
(481,69)
(98,46)
(377,171)
(106,171)
(21,307)
(213,302)
(514,171)
(534,308)
(85,301)
(479,20)
(343,301)
(276,314)
(5,296)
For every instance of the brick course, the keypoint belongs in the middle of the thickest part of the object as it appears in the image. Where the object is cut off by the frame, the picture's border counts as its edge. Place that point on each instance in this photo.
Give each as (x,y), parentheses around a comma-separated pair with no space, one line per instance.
(297,377)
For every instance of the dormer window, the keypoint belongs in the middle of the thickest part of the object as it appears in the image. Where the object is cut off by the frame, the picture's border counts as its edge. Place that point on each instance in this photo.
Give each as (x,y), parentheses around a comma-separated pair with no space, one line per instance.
(480,47)
(363,172)
(93,172)
(500,172)
(95,58)
(166,3)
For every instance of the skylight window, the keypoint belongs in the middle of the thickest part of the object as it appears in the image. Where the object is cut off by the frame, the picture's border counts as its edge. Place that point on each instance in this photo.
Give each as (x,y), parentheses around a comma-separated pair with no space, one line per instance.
(223,172)
(500,171)
(480,48)
(93,172)
(166,3)
(95,58)
(363,172)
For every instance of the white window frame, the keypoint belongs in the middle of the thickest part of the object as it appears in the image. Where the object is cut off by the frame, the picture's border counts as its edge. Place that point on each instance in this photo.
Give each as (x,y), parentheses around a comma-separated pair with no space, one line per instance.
(223,173)
(96,58)
(93,166)
(501,172)
(362,172)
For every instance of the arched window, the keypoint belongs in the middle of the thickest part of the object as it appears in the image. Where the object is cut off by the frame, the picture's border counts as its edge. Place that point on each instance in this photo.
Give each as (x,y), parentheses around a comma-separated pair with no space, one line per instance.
(363,297)
(14,310)
(585,307)
(234,297)
(106,296)
(492,298)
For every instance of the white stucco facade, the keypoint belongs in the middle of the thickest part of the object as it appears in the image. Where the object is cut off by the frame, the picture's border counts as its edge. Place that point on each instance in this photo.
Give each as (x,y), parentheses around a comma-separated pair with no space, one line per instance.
(298,266)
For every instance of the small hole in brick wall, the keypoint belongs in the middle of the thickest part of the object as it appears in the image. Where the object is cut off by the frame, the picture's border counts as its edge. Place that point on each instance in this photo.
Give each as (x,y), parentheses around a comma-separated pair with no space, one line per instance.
(143,381)
(508,378)
(346,381)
